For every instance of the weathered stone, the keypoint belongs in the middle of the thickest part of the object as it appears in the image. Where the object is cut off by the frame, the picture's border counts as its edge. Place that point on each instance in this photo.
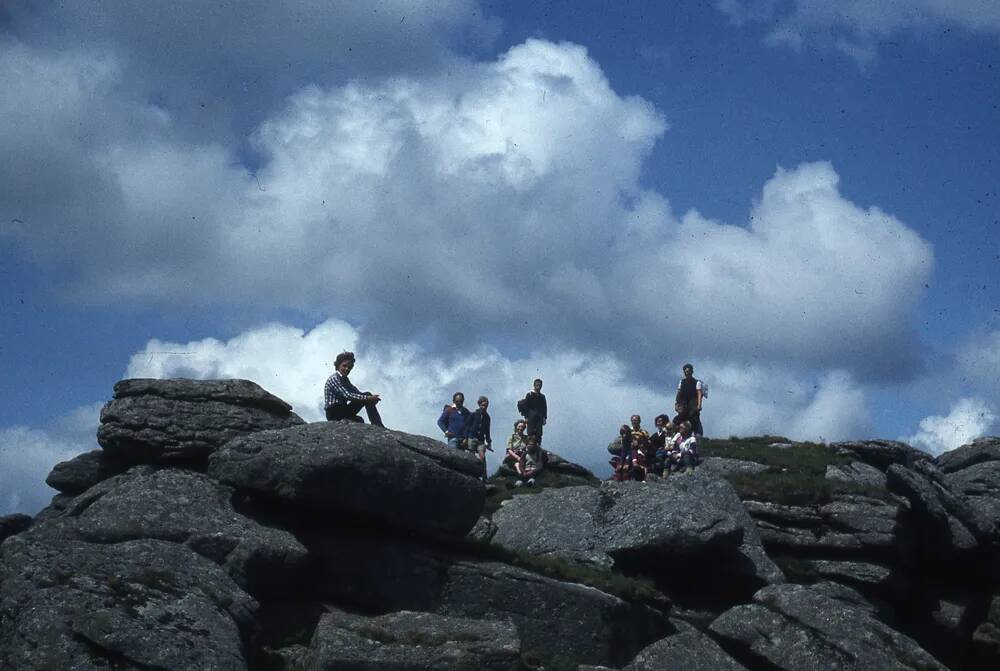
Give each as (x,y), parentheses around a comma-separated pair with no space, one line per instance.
(986,638)
(857,473)
(794,627)
(722,466)
(360,471)
(848,526)
(687,649)
(55,508)
(662,526)
(867,577)
(872,605)
(881,453)
(84,471)
(139,604)
(166,421)
(409,641)
(561,466)
(943,536)
(483,531)
(978,451)
(184,507)
(13,524)
(980,482)
(555,619)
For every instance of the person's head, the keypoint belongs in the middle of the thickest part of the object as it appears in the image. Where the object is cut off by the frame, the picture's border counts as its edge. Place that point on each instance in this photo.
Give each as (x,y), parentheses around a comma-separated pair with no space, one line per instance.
(624,430)
(537,384)
(636,421)
(483,402)
(531,442)
(688,370)
(661,421)
(520,426)
(679,407)
(344,362)
(458,398)
(685,428)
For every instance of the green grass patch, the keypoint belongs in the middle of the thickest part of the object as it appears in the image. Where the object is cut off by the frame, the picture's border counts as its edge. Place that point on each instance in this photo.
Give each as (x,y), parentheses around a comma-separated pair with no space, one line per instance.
(796,474)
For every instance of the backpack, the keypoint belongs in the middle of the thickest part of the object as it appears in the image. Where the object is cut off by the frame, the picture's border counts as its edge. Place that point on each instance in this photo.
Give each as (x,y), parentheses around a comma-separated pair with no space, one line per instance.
(704,389)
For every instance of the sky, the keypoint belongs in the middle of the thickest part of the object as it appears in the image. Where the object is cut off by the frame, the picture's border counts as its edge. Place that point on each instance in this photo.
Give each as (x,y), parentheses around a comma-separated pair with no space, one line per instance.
(800,198)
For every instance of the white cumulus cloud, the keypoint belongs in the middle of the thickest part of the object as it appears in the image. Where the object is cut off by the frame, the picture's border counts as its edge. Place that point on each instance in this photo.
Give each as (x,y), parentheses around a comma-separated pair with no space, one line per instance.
(28,454)
(968,419)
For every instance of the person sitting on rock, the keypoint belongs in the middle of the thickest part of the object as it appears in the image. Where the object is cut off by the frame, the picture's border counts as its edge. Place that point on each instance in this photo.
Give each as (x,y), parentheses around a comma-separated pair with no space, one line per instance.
(638,444)
(515,443)
(453,420)
(478,432)
(534,462)
(620,469)
(685,448)
(658,442)
(342,400)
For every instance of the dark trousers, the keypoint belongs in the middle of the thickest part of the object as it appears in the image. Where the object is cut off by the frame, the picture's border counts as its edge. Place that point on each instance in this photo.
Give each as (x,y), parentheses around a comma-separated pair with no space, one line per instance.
(351,410)
(534,428)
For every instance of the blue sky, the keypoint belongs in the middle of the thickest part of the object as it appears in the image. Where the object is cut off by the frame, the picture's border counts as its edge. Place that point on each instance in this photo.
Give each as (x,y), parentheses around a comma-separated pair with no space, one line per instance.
(802,201)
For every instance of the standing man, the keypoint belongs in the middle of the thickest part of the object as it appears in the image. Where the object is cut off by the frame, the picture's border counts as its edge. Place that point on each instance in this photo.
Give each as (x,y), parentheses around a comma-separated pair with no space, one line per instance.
(453,420)
(342,400)
(478,431)
(534,409)
(690,393)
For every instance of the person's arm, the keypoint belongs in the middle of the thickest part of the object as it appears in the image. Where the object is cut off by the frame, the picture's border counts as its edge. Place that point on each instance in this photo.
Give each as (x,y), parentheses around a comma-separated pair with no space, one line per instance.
(545,408)
(342,391)
(698,390)
(443,422)
(486,431)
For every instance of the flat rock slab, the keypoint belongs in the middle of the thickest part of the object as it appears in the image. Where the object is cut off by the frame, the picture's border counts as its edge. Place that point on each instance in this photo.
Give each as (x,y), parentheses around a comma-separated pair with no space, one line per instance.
(857,473)
(140,604)
(165,421)
(978,451)
(849,526)
(794,627)
(671,523)
(358,470)
(184,507)
(723,465)
(409,641)
(881,453)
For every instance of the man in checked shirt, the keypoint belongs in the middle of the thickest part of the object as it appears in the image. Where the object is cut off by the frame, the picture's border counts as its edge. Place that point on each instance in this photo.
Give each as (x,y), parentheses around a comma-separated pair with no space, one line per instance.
(342,400)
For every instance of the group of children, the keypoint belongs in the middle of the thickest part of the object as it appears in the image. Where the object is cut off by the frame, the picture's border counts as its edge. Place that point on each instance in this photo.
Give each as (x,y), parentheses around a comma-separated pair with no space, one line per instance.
(673,448)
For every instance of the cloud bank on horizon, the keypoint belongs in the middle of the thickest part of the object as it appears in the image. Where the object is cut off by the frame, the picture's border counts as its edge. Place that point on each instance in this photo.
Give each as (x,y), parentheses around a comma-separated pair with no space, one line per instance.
(492,209)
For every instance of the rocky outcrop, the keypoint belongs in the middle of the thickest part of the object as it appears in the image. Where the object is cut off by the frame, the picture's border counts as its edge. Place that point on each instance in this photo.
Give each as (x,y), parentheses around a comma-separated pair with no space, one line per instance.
(216,530)
(978,451)
(143,604)
(408,641)
(881,453)
(359,471)
(672,531)
(173,421)
(555,619)
(849,526)
(183,507)
(795,627)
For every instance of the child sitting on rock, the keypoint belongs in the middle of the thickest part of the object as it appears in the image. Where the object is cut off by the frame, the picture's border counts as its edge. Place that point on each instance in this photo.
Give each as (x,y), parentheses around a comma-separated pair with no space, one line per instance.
(533,463)
(684,453)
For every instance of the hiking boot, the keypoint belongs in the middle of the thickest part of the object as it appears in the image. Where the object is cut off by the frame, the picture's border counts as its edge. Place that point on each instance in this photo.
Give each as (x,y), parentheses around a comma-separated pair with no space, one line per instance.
(531,482)
(518,483)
